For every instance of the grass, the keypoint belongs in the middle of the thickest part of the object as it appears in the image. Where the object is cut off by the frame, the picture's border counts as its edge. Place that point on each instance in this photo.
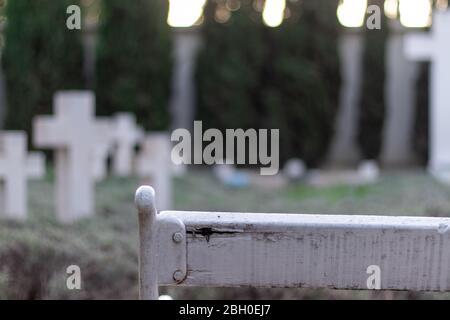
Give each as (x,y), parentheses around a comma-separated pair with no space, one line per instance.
(34,255)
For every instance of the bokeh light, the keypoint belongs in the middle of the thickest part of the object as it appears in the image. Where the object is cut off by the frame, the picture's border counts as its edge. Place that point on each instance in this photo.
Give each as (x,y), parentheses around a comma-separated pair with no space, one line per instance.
(416,13)
(273,13)
(222,14)
(391,9)
(185,13)
(351,13)
(442,4)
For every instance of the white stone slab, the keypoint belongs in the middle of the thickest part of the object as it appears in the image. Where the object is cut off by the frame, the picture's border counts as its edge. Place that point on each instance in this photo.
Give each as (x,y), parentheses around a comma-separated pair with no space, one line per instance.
(367,172)
(294,169)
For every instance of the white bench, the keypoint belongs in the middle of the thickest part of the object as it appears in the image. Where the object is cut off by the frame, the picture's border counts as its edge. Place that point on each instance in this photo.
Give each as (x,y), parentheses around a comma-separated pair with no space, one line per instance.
(289,250)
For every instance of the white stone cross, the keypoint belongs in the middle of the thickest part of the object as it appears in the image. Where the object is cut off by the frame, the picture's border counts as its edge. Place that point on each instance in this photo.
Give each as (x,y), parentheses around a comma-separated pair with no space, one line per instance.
(436,48)
(16,166)
(154,166)
(70,132)
(223,249)
(126,136)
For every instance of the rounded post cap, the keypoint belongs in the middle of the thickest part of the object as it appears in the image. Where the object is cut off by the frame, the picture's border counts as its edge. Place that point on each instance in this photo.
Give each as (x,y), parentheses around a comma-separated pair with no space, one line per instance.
(145,199)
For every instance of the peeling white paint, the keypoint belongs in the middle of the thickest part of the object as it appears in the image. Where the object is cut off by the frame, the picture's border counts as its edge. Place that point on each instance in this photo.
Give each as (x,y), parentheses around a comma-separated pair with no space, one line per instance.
(296,250)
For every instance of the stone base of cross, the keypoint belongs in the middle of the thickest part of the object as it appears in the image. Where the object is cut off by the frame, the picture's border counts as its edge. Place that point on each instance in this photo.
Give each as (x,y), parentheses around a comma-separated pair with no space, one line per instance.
(16,166)
(435,47)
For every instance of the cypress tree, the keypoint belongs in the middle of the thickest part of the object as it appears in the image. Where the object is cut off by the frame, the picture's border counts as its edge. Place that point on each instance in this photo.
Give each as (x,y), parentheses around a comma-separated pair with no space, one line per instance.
(230,66)
(287,78)
(302,79)
(133,61)
(41,55)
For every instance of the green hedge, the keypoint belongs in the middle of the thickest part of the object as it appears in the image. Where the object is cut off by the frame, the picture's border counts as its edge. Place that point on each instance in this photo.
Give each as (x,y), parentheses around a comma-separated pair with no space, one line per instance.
(252,76)
(40,57)
(133,61)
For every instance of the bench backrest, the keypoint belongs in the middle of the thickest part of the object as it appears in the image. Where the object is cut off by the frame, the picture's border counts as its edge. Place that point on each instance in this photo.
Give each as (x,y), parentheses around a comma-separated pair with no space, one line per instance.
(289,250)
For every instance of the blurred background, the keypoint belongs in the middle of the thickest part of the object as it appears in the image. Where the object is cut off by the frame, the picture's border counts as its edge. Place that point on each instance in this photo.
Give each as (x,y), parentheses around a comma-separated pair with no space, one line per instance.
(339,92)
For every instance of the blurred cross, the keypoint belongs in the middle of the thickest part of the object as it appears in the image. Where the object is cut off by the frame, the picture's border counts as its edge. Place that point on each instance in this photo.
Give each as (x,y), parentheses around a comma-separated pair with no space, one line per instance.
(16,166)
(71,133)
(126,135)
(154,166)
(436,48)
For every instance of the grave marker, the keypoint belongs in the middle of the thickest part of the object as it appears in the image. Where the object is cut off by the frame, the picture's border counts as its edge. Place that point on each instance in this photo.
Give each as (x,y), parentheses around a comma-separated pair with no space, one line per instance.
(70,133)
(154,165)
(215,249)
(126,136)
(16,166)
(435,47)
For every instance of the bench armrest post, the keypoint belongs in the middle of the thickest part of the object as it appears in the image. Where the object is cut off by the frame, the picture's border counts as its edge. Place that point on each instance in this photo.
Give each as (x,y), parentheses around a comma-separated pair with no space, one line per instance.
(148,245)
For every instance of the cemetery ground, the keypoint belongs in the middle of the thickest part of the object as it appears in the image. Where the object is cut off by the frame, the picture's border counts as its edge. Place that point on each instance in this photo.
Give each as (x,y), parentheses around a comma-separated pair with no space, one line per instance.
(34,254)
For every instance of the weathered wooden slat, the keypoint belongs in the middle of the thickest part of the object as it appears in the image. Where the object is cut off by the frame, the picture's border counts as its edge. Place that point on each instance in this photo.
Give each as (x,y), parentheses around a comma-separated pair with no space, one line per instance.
(290,250)
(296,250)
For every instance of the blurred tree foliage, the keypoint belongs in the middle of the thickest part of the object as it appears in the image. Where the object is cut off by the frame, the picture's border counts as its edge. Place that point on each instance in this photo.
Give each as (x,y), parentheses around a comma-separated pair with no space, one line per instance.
(372,104)
(2,22)
(229,69)
(40,57)
(133,61)
(301,79)
(253,76)
(421,135)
